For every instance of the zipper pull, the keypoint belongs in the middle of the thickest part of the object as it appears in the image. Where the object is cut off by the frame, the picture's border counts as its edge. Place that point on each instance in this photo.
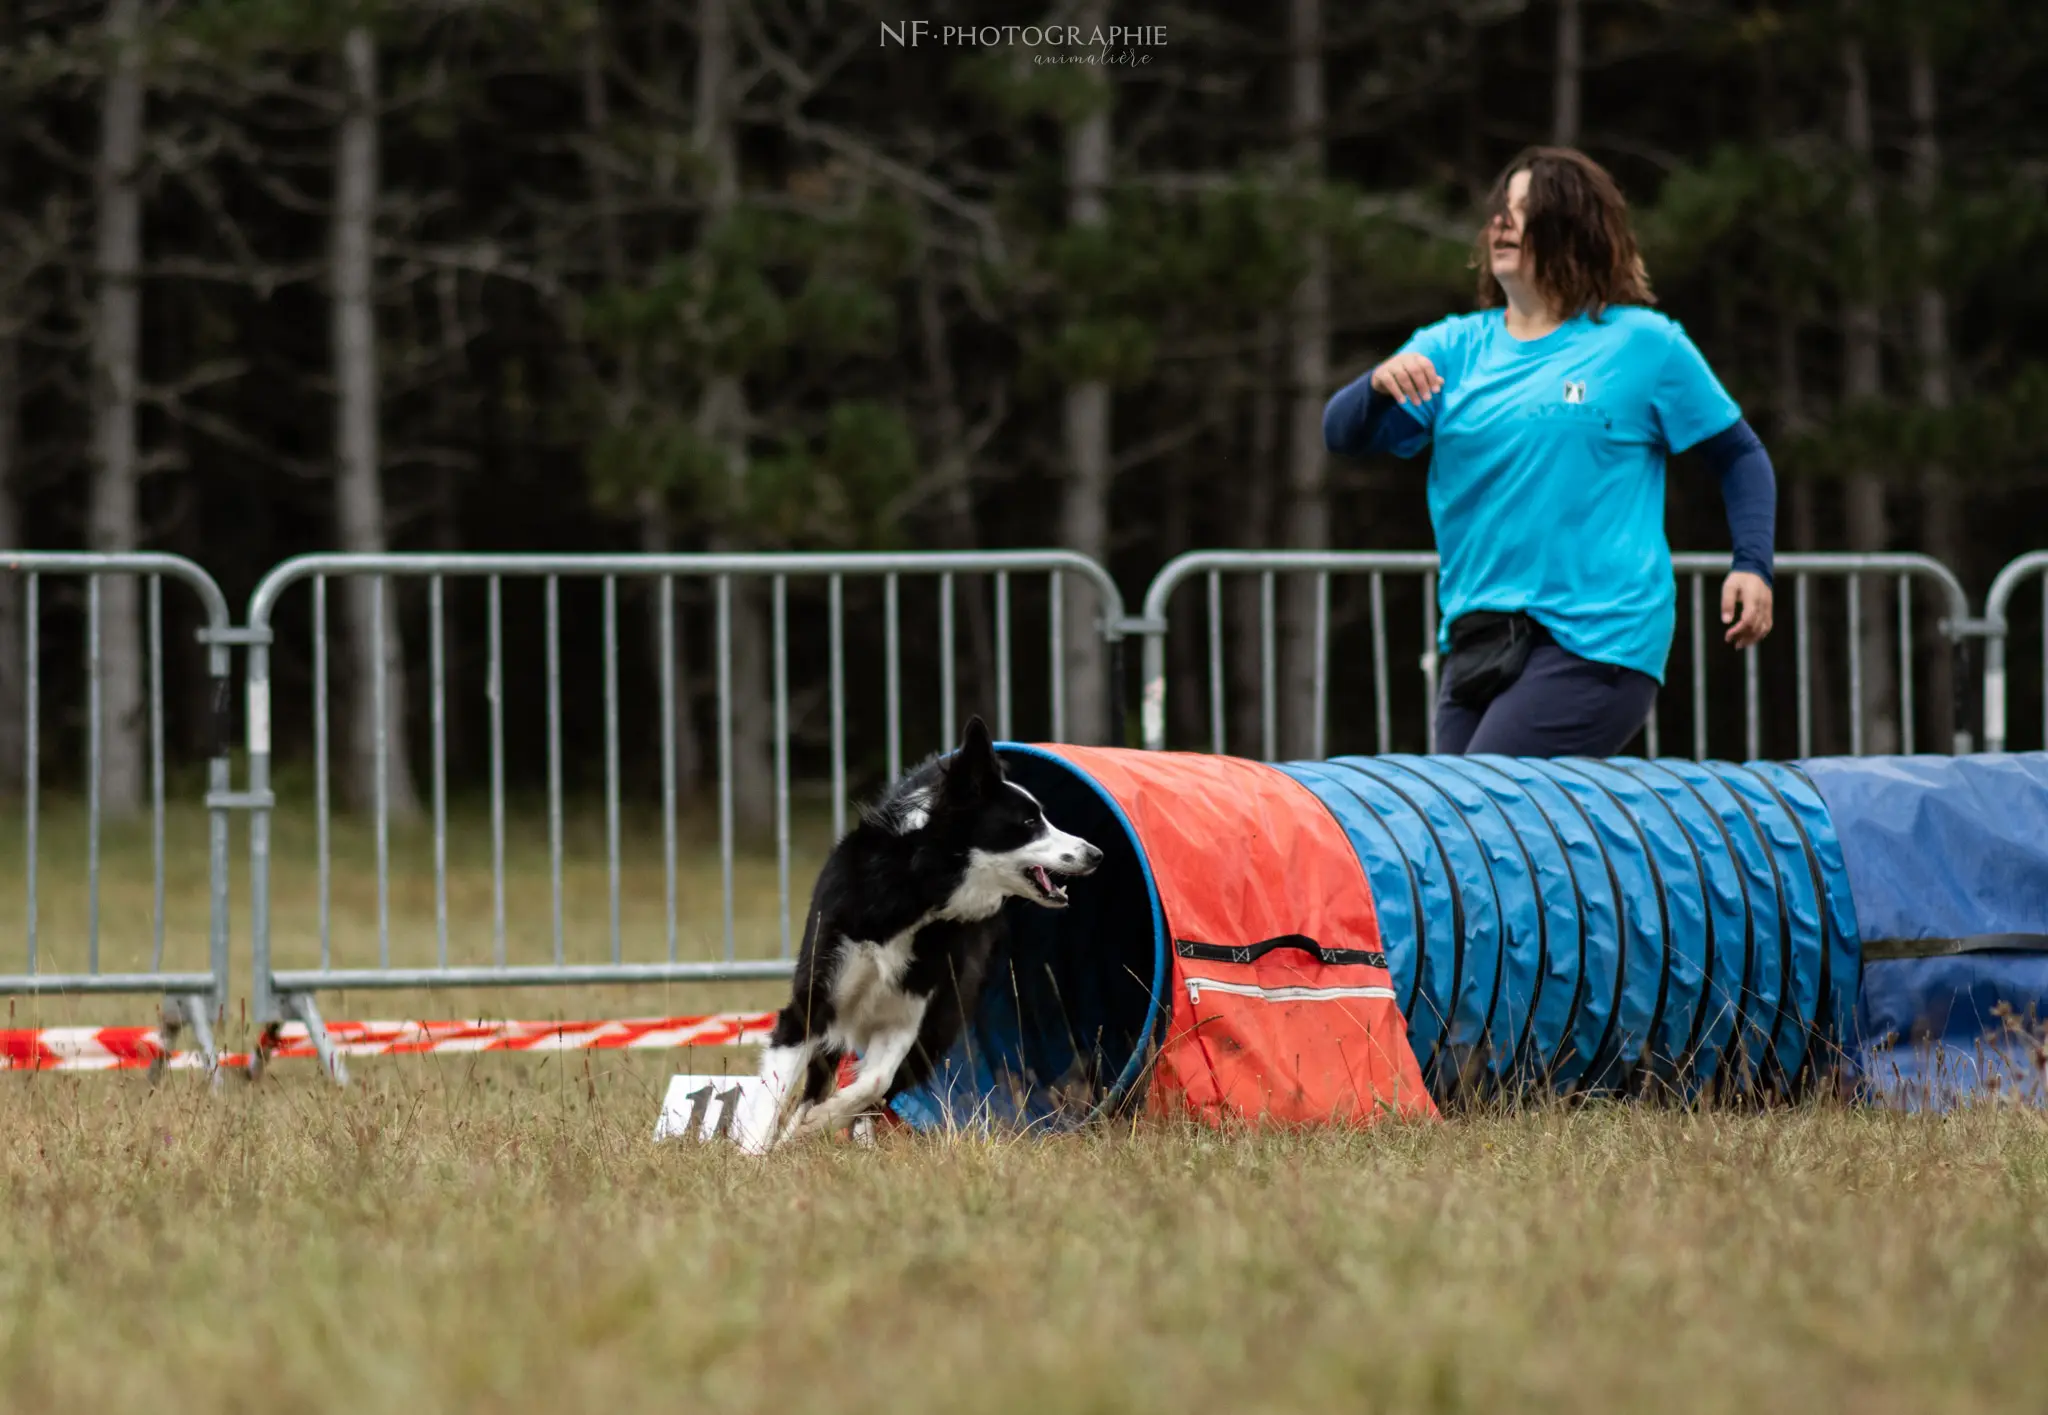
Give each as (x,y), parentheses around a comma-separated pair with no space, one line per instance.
(1194,990)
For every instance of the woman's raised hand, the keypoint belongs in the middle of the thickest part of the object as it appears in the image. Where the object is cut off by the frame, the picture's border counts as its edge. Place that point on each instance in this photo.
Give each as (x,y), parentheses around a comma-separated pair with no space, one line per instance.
(1407,378)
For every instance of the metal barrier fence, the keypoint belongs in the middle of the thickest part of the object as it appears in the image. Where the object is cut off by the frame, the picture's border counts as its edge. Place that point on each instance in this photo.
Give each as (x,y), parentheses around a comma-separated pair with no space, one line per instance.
(1387,574)
(827,620)
(1998,604)
(192,997)
(284,993)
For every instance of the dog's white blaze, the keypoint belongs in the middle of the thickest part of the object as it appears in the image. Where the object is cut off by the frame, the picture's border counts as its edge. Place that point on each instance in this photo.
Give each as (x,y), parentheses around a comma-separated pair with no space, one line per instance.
(992,877)
(1056,850)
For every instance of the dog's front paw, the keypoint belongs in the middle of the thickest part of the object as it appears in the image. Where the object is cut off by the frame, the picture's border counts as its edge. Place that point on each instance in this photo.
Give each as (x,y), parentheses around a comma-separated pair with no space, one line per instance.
(812,1120)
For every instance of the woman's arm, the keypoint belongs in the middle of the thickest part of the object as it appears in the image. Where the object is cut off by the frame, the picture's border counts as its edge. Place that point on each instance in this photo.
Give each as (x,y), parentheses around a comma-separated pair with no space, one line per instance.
(1379,411)
(1749,490)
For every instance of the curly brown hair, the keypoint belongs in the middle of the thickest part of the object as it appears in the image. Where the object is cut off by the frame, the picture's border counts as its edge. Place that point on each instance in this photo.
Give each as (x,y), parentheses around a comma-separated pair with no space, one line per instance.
(1575,232)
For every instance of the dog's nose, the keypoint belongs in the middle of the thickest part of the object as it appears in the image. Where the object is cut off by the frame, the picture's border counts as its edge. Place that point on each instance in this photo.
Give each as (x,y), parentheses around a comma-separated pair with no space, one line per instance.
(1084,860)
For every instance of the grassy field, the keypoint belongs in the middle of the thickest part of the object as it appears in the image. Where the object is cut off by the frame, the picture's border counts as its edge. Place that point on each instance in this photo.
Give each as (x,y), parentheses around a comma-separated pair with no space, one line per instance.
(488,1234)
(467,1233)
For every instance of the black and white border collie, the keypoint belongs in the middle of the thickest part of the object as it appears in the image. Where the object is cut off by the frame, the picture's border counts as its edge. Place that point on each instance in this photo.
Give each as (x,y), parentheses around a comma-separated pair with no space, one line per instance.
(904,918)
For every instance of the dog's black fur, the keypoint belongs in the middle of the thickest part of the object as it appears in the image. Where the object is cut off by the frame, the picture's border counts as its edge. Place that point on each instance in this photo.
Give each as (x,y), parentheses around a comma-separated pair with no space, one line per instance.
(903,921)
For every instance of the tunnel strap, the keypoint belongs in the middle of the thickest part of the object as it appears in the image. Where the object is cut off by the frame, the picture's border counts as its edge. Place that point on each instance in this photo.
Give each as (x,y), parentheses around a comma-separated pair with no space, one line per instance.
(1879,948)
(1253,952)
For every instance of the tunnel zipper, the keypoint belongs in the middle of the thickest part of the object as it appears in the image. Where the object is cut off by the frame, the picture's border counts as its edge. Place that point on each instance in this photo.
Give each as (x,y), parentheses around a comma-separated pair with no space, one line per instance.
(1282,994)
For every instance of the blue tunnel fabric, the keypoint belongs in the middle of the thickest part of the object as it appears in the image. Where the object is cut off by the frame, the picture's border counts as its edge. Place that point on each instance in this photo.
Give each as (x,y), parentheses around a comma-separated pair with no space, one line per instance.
(1941,847)
(1599,925)
(1947,858)
(1933,1032)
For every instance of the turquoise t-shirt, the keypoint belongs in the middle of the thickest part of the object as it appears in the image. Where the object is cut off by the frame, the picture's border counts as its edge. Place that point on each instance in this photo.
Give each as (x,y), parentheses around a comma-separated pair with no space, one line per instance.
(1547,484)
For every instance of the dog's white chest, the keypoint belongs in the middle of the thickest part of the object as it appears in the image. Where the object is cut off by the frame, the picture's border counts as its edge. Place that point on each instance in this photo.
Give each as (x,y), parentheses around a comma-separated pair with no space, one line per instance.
(867,995)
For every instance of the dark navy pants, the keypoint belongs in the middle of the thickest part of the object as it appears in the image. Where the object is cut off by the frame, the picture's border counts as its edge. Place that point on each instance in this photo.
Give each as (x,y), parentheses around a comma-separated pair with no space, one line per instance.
(1561,706)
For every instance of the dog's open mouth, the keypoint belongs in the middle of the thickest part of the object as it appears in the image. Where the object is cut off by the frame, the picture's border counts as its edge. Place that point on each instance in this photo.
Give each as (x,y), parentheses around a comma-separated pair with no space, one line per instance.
(1050,891)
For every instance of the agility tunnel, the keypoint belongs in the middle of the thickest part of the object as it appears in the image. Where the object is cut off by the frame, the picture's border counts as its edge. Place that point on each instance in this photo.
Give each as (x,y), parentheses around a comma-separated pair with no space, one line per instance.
(1322,942)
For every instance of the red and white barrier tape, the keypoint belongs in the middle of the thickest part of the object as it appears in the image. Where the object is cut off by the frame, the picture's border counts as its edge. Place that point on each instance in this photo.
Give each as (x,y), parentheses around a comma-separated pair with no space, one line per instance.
(135,1048)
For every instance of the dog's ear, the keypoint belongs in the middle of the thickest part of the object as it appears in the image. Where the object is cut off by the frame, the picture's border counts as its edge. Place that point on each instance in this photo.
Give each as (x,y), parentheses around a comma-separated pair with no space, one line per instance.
(974,768)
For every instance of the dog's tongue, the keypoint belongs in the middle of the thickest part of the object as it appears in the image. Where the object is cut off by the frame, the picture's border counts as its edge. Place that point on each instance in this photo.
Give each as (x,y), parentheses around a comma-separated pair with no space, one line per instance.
(1041,878)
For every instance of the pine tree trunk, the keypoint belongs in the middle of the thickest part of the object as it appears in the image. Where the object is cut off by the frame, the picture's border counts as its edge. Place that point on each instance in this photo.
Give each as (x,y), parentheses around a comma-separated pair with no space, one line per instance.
(1244,644)
(1187,654)
(114,516)
(1565,81)
(954,464)
(1941,509)
(13,674)
(13,678)
(1795,421)
(722,420)
(1085,421)
(650,507)
(358,484)
(1869,524)
(1308,376)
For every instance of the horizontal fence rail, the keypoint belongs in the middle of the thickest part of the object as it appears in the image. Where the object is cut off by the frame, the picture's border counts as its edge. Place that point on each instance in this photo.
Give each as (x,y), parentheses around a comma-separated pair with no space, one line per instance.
(1999,605)
(756,606)
(121,946)
(1293,686)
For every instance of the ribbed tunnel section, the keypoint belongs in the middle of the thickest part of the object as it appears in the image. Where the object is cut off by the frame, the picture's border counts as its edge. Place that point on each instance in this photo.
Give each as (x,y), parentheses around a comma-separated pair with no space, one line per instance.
(1603,926)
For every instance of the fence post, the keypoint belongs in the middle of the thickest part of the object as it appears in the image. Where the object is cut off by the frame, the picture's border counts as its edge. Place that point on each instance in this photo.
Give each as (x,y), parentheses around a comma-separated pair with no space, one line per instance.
(263,1006)
(1959,673)
(1995,628)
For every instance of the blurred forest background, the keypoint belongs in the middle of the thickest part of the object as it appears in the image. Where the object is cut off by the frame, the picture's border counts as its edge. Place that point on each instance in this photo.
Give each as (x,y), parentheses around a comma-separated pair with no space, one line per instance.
(292,275)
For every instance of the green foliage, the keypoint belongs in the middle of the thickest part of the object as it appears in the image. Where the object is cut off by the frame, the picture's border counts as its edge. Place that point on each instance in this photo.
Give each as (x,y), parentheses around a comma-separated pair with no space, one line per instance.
(1017,90)
(777,301)
(235,31)
(834,487)
(1160,260)
(1394,252)
(654,450)
(1984,439)
(1789,199)
(1117,350)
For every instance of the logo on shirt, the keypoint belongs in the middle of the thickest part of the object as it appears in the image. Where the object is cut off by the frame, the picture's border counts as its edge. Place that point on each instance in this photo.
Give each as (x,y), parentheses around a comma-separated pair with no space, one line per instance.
(1575,390)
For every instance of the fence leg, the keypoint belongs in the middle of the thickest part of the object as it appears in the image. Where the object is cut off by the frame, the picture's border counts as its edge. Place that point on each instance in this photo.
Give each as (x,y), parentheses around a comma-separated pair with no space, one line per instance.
(1119,729)
(331,1062)
(1959,653)
(195,1010)
(174,1015)
(300,1007)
